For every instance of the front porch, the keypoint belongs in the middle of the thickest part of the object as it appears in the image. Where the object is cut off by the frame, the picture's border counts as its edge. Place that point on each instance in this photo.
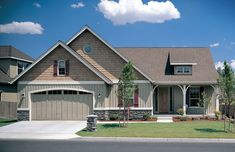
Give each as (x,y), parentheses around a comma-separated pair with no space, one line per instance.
(167,99)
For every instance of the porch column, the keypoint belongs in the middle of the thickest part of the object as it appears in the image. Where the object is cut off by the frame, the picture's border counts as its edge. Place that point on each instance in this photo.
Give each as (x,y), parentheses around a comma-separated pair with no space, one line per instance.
(184,89)
(216,91)
(152,93)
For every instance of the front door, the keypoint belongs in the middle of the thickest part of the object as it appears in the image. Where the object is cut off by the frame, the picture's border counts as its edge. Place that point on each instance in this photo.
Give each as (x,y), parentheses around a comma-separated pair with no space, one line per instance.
(163,100)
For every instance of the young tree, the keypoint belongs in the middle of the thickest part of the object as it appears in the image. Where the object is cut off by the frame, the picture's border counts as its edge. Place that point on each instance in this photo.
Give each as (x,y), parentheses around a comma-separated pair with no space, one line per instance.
(226,83)
(204,102)
(126,88)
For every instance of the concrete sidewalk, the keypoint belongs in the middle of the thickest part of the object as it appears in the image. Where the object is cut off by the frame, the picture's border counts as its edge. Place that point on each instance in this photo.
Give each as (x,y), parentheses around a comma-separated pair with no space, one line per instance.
(155,140)
(42,130)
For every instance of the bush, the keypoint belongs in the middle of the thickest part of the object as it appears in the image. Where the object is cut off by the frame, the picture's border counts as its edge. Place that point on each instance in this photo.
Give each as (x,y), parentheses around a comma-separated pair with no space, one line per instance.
(183,118)
(146,116)
(217,115)
(113,117)
(180,111)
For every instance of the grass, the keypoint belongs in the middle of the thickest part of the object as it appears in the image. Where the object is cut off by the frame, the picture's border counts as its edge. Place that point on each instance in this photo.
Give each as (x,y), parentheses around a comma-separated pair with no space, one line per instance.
(193,129)
(4,122)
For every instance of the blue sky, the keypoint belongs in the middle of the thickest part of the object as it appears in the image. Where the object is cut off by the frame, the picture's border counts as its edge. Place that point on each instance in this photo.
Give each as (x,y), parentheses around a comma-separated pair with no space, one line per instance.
(199,23)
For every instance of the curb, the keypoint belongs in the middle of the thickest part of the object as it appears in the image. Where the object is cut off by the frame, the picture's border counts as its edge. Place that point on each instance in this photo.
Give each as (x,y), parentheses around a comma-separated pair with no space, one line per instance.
(155,140)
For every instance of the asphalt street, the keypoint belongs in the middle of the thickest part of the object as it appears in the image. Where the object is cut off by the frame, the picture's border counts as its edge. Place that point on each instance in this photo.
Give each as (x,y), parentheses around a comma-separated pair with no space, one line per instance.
(101,146)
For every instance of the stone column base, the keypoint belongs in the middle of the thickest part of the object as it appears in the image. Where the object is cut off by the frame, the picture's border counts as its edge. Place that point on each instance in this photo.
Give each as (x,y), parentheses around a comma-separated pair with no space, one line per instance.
(22,115)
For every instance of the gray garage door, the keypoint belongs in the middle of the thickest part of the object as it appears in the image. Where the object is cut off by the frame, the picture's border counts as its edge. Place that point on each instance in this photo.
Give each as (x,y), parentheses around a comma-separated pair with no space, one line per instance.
(61,105)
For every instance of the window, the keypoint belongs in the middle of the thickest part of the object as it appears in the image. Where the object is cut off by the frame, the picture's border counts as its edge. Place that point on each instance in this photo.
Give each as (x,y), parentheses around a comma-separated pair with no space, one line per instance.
(194,96)
(22,66)
(55,92)
(0,95)
(183,69)
(61,67)
(87,48)
(70,92)
(44,92)
(134,99)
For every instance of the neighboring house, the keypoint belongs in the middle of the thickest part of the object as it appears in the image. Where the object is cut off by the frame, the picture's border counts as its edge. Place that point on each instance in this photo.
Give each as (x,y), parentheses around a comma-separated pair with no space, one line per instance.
(77,78)
(12,63)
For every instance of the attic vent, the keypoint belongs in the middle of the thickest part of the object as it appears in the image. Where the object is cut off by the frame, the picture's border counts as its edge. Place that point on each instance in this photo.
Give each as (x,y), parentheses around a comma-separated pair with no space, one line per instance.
(87,48)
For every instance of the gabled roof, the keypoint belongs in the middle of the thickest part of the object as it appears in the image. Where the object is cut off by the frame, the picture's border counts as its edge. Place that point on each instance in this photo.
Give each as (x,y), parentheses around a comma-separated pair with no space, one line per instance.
(12,52)
(72,52)
(114,50)
(156,63)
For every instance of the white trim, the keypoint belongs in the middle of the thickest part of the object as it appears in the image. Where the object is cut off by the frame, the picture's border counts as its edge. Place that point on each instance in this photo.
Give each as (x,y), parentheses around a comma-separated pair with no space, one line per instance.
(58,88)
(117,108)
(185,82)
(60,82)
(173,63)
(134,81)
(23,109)
(115,51)
(71,52)
(11,57)
(58,62)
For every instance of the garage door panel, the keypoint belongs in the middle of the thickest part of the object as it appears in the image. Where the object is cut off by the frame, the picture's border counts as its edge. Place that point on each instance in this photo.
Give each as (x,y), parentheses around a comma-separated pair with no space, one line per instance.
(61,106)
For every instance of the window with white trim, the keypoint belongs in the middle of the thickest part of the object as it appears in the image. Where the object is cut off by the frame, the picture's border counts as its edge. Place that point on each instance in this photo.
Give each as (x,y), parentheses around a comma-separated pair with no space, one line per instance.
(22,66)
(61,68)
(134,98)
(183,69)
(194,96)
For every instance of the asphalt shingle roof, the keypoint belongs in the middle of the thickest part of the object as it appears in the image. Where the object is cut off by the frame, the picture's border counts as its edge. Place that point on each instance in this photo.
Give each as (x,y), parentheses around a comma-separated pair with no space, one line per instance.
(155,62)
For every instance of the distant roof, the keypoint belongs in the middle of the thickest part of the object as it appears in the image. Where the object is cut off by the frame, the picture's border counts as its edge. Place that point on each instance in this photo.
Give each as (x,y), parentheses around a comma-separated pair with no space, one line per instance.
(12,52)
(4,78)
(155,62)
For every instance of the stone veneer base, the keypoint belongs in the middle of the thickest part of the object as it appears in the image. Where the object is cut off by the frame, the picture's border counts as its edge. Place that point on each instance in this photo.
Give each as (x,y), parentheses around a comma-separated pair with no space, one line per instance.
(22,115)
(134,114)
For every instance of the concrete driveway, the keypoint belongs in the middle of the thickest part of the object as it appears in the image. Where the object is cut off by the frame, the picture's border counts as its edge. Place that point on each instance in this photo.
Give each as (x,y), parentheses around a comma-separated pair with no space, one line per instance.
(42,130)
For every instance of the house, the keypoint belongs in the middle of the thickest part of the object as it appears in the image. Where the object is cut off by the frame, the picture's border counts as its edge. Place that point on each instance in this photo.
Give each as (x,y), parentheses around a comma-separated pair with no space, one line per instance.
(79,77)
(12,63)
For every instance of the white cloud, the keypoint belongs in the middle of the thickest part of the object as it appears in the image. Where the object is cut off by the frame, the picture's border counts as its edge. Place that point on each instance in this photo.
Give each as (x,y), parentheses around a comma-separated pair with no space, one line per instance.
(78,5)
(219,64)
(214,45)
(21,28)
(37,5)
(232,64)
(131,11)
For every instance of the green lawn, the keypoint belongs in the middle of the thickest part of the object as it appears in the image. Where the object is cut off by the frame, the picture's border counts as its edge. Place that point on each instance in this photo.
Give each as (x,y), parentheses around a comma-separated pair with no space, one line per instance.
(4,122)
(193,129)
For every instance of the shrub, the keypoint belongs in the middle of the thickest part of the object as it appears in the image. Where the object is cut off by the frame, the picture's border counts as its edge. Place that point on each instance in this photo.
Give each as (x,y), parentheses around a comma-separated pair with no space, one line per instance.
(180,111)
(113,117)
(217,115)
(183,118)
(146,116)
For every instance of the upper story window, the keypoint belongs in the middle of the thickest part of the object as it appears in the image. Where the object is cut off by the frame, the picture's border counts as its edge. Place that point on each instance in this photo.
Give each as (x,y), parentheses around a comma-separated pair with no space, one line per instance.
(87,48)
(183,69)
(22,66)
(61,67)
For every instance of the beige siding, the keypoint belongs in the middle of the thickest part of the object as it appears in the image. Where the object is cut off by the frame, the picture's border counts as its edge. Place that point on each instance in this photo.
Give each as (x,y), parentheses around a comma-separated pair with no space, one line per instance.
(9,96)
(144,96)
(102,54)
(13,69)
(177,98)
(44,69)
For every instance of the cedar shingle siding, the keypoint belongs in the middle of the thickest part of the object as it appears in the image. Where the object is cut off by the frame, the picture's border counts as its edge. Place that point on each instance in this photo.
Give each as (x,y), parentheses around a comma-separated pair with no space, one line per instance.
(102,54)
(44,69)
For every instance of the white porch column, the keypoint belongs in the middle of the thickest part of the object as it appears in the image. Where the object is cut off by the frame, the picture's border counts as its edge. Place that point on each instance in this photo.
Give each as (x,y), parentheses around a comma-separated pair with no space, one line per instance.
(152,93)
(216,92)
(184,89)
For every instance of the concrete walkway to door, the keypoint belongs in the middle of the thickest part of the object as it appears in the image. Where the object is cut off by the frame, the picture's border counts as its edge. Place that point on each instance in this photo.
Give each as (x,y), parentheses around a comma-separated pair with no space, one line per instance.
(42,130)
